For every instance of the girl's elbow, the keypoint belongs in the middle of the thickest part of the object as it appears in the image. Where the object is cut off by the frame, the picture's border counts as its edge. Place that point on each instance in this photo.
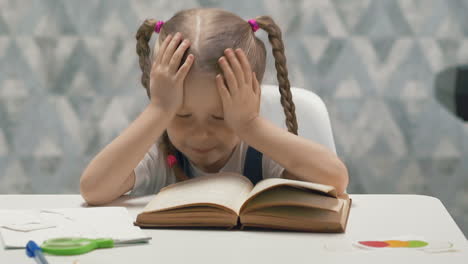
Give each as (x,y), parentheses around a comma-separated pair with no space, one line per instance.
(88,192)
(343,178)
(91,199)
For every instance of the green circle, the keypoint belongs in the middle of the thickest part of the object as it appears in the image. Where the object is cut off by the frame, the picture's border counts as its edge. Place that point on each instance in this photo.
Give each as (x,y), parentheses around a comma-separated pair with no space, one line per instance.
(417,243)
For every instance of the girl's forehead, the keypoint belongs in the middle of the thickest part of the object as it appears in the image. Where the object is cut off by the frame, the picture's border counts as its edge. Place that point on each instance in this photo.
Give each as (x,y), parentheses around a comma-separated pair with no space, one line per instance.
(200,92)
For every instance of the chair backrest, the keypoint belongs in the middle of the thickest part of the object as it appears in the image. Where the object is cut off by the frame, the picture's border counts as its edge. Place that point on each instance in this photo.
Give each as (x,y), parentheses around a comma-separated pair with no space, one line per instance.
(311,113)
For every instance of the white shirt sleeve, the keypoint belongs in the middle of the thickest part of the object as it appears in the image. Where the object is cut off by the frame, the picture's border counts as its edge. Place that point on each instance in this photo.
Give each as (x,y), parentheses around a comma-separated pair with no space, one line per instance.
(150,174)
(270,168)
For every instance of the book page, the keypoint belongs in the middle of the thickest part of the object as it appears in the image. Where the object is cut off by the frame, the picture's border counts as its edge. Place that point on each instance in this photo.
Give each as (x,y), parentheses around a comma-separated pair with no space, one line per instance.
(272,182)
(227,189)
(291,196)
(298,213)
(299,218)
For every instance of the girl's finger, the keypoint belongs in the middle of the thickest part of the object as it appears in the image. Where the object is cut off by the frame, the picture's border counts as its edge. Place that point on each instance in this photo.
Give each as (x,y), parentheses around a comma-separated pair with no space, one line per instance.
(185,68)
(170,49)
(236,66)
(229,75)
(176,58)
(245,65)
(222,89)
(162,48)
(256,85)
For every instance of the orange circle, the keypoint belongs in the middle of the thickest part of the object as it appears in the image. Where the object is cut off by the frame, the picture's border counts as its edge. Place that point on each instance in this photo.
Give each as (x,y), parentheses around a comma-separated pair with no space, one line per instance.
(397,243)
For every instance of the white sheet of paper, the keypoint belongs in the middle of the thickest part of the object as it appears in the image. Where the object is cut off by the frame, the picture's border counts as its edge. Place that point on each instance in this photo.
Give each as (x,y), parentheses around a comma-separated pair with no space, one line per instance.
(17,227)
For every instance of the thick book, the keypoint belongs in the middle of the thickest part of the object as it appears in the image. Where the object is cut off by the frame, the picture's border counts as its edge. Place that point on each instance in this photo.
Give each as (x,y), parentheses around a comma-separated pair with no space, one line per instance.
(230,200)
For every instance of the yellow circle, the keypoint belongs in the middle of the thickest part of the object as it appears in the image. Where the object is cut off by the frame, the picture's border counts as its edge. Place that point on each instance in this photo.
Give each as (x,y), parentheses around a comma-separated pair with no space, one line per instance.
(397,243)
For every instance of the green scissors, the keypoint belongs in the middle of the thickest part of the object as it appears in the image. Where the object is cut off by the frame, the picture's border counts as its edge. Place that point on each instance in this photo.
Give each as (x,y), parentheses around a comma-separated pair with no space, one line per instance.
(78,245)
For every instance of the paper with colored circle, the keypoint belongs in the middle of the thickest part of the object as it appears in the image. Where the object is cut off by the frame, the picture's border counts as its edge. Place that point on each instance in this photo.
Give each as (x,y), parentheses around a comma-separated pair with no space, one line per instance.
(397,244)
(426,245)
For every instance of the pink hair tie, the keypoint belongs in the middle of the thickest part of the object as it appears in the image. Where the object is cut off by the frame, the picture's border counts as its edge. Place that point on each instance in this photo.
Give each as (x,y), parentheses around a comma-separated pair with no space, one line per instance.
(253,24)
(158,26)
(171,160)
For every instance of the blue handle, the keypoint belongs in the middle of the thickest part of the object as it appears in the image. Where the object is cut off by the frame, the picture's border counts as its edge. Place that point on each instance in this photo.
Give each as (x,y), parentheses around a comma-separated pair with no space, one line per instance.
(34,251)
(31,249)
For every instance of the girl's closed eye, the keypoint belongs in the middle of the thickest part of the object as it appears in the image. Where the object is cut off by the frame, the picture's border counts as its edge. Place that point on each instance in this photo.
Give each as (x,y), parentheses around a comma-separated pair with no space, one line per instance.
(189,115)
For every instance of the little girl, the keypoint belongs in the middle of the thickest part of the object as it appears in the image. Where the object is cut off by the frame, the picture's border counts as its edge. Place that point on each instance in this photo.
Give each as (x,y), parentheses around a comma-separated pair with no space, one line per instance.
(203,80)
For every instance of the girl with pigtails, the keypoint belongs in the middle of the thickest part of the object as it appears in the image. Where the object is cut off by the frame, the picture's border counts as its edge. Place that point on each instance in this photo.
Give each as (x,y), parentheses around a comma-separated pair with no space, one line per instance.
(203,80)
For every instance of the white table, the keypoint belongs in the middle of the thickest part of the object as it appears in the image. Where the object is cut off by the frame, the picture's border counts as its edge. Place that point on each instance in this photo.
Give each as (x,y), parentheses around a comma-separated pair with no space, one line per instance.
(371,216)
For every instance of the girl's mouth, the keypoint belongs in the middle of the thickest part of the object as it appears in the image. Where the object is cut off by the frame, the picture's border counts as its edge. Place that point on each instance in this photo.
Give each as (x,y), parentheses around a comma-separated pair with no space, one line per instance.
(202,150)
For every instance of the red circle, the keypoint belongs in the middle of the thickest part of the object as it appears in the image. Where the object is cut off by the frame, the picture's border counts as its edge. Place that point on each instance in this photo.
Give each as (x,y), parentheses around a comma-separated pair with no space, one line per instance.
(378,244)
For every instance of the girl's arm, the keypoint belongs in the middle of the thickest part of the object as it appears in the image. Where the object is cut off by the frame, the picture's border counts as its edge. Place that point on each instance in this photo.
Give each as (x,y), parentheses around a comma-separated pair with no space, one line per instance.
(110,174)
(302,159)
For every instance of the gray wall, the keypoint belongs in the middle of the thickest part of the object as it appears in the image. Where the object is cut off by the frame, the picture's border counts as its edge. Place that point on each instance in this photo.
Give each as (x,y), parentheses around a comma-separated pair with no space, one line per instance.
(69,84)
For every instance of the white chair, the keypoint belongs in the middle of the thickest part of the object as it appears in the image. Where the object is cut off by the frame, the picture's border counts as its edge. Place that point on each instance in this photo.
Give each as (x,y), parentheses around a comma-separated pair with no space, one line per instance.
(312,116)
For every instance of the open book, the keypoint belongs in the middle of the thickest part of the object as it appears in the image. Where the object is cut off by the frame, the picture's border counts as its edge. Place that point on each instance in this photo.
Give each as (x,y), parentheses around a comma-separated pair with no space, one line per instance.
(231,200)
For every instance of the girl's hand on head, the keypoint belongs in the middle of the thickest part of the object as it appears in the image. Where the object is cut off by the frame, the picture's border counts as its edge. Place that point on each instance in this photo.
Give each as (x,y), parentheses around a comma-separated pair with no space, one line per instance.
(241,96)
(166,80)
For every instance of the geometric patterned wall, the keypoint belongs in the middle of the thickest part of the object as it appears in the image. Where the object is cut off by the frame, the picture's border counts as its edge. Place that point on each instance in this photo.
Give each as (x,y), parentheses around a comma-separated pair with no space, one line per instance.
(69,84)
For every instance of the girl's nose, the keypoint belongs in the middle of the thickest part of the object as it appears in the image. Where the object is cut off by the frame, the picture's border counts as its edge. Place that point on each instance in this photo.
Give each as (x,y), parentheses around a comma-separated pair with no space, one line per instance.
(201,131)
